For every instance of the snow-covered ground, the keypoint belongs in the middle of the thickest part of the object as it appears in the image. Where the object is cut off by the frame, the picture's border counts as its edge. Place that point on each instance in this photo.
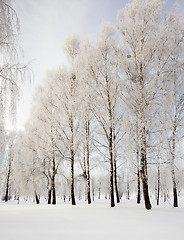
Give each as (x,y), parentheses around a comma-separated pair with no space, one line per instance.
(127,221)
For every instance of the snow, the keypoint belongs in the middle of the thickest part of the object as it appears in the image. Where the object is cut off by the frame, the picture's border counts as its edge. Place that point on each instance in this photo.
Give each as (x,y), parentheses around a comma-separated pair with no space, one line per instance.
(96,221)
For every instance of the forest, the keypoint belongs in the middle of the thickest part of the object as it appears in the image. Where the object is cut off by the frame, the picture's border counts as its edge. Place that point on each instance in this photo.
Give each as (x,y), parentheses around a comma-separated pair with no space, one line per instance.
(108,124)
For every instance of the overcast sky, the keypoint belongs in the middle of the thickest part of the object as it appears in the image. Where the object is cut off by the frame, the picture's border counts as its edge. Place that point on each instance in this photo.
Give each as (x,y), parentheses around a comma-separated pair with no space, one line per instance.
(45,24)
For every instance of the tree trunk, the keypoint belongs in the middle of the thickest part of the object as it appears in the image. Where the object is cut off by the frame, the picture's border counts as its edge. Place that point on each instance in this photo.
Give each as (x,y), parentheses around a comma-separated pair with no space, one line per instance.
(138,181)
(111,169)
(115,168)
(116,182)
(53,187)
(93,192)
(138,188)
(72,162)
(49,196)
(143,160)
(144,174)
(6,195)
(99,189)
(158,186)
(8,181)
(128,189)
(175,197)
(175,203)
(37,198)
(72,180)
(87,158)
(165,197)
(53,191)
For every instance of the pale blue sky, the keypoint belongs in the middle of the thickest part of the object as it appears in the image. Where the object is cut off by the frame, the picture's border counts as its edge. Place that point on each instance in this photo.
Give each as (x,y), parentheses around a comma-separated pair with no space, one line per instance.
(46,23)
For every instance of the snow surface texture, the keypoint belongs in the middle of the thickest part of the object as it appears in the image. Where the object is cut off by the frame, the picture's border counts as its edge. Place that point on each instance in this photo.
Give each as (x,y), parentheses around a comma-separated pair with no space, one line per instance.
(98,221)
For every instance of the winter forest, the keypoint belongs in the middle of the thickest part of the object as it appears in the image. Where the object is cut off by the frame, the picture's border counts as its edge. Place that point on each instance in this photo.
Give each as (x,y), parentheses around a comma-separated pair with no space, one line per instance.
(106,126)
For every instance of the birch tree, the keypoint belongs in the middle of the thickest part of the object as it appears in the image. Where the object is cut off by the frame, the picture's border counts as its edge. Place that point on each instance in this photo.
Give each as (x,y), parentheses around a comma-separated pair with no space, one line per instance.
(67,92)
(173,124)
(11,70)
(147,51)
(103,68)
(49,148)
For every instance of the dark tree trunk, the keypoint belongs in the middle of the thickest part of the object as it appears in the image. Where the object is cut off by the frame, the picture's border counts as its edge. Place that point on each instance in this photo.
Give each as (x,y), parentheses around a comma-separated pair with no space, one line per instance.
(143,157)
(6,195)
(8,181)
(144,174)
(175,197)
(175,203)
(110,139)
(146,194)
(138,188)
(72,162)
(49,196)
(53,192)
(37,198)
(115,168)
(89,197)
(87,158)
(53,187)
(138,181)
(72,180)
(111,169)
(158,186)
(116,182)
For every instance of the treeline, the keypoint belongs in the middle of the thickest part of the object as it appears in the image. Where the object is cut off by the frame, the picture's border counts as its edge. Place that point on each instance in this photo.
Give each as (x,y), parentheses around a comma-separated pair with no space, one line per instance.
(111,121)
